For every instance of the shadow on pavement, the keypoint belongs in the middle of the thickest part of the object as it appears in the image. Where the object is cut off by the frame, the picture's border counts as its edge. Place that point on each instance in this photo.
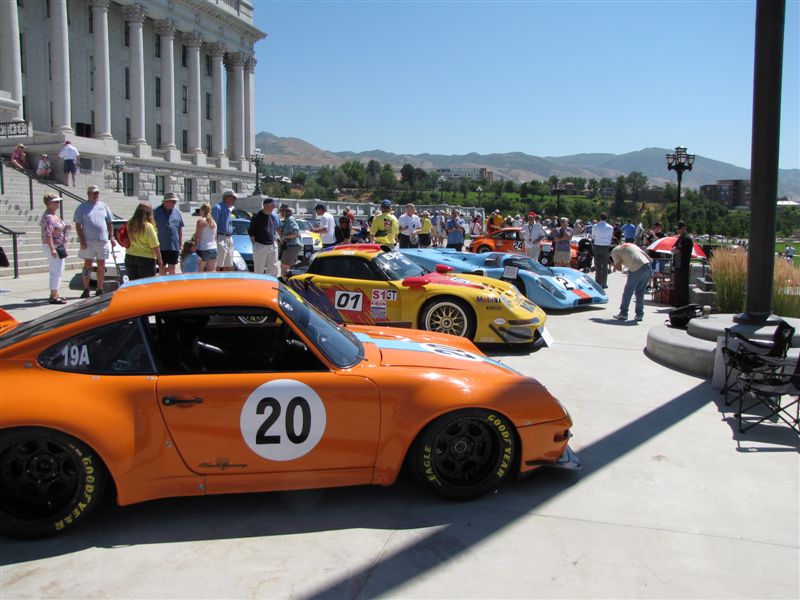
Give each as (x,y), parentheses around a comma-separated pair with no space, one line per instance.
(400,507)
(628,323)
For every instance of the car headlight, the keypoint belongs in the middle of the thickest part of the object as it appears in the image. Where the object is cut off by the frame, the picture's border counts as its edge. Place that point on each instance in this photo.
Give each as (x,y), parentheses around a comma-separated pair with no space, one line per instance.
(317,243)
(239,263)
(593,284)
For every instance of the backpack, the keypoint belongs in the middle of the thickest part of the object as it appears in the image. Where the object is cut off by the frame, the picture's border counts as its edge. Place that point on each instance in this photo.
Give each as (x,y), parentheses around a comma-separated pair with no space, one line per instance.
(680,317)
(122,236)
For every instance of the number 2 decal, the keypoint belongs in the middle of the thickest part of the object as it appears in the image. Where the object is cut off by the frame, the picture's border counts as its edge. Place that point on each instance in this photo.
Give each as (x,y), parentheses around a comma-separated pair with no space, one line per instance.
(282,420)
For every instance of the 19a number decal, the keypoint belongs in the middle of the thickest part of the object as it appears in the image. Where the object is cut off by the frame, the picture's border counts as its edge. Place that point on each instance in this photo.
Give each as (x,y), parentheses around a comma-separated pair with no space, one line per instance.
(298,402)
(282,420)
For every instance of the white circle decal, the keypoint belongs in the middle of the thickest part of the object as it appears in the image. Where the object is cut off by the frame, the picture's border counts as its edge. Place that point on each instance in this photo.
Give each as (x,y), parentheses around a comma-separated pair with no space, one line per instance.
(451,352)
(282,420)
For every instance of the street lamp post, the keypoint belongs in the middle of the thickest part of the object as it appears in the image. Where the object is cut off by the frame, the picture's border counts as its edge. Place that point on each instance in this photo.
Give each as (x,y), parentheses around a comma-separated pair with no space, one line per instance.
(441,182)
(679,162)
(117,164)
(558,189)
(256,158)
(479,189)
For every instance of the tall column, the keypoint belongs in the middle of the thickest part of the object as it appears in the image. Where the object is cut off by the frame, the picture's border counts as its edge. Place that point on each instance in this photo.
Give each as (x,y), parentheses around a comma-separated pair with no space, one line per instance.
(249,107)
(10,55)
(166,32)
(217,115)
(102,74)
(59,61)
(193,41)
(236,106)
(134,15)
(228,105)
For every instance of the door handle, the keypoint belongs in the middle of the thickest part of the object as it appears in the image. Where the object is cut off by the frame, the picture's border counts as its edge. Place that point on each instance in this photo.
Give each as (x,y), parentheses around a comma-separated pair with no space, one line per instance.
(170,400)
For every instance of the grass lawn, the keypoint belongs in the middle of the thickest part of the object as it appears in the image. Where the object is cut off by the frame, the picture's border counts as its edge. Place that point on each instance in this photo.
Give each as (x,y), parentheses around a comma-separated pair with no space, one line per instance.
(781,247)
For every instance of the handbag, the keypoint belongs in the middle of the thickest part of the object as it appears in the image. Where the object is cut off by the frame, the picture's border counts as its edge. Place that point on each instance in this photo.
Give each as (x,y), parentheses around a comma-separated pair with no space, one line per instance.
(3,258)
(61,251)
(680,317)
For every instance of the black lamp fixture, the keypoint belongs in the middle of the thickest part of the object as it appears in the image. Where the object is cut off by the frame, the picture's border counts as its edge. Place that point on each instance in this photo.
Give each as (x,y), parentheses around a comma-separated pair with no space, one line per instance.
(558,189)
(117,164)
(257,157)
(679,162)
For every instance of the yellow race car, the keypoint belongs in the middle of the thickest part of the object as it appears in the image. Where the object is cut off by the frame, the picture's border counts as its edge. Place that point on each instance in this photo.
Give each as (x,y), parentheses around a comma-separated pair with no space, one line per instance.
(368,284)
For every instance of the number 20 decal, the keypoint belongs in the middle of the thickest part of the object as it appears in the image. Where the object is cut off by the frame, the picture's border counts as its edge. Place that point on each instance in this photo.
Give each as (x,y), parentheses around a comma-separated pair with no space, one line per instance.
(282,420)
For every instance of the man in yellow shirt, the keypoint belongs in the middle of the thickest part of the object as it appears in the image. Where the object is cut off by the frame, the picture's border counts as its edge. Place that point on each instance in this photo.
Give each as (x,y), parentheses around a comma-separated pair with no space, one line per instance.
(385,227)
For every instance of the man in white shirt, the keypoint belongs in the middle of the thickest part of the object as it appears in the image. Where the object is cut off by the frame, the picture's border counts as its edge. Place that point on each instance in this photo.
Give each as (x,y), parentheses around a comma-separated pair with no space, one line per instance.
(409,225)
(532,234)
(601,246)
(70,155)
(326,227)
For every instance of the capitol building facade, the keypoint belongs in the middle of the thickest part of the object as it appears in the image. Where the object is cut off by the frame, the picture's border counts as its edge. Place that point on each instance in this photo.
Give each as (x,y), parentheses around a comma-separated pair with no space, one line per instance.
(166,85)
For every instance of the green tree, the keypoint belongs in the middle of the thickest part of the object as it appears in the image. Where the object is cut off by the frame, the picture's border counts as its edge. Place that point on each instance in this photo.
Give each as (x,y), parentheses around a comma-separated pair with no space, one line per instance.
(408,174)
(299,178)
(374,171)
(637,181)
(552,181)
(388,181)
(352,174)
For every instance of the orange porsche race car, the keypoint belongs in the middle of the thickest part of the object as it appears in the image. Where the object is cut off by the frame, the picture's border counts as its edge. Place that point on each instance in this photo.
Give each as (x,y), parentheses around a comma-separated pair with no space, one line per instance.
(504,240)
(214,383)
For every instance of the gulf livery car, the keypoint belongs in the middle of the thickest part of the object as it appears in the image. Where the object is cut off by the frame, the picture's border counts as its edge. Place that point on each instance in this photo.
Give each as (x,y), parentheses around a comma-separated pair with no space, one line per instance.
(214,383)
(548,287)
(367,284)
(508,239)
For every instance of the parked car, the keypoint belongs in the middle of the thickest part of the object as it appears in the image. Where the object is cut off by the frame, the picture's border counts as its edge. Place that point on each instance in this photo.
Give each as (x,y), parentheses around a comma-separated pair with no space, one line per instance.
(368,284)
(212,383)
(548,287)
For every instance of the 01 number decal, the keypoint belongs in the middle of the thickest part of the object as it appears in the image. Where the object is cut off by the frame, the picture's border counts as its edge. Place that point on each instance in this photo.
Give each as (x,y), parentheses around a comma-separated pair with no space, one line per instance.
(349,301)
(282,420)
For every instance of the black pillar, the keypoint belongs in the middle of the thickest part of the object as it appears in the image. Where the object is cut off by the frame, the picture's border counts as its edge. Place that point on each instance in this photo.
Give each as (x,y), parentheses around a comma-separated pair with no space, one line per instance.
(770,16)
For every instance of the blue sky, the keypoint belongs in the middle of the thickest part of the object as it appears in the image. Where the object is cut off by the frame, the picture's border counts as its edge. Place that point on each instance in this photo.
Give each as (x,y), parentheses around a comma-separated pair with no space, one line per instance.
(545,78)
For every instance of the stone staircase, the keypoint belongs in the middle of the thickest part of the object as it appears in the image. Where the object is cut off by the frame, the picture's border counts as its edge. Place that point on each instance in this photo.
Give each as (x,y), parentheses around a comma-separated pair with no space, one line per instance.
(17,215)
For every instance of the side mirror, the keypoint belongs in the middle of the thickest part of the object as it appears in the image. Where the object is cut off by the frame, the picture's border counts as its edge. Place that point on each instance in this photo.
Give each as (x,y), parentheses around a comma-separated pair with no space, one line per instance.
(443,268)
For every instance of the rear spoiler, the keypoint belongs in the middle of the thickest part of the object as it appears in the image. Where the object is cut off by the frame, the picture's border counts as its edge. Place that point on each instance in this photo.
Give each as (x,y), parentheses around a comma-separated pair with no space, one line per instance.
(6,322)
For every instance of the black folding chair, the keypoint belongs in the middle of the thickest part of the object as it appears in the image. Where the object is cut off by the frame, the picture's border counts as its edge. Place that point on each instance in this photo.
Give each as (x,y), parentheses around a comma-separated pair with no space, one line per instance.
(745,355)
(765,388)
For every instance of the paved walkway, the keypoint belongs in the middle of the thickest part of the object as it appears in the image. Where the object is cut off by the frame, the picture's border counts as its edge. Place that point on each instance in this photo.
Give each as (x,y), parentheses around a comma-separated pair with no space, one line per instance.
(672,502)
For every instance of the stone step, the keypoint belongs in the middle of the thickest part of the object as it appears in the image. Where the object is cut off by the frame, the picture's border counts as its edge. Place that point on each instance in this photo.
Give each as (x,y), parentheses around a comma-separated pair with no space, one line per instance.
(702,297)
(705,284)
(714,326)
(677,349)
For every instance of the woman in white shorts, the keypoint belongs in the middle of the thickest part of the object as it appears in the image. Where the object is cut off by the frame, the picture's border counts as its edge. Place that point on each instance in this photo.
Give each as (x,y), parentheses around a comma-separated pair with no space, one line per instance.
(205,236)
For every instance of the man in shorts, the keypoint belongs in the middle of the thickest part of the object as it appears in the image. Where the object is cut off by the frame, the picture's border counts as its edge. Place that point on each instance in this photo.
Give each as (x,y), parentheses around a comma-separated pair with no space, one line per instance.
(169,224)
(290,239)
(94,229)
(69,154)
(222,215)
(562,238)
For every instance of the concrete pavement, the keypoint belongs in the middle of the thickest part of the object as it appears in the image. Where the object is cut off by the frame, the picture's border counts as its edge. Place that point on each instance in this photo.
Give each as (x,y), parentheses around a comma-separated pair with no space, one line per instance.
(671,502)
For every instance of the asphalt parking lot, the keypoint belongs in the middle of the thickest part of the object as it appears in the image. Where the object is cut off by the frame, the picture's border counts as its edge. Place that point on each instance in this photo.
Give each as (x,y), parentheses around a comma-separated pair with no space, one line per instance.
(671,502)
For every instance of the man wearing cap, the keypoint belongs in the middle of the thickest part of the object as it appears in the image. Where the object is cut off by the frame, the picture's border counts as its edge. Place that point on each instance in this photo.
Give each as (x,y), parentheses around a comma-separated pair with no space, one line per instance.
(291,241)
(326,226)
(221,212)
(532,235)
(69,154)
(455,231)
(169,224)
(94,229)
(385,227)
(263,232)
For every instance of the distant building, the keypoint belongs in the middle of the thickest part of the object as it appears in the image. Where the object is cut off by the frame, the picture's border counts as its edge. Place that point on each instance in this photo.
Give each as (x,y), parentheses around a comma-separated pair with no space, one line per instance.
(730,192)
(475,174)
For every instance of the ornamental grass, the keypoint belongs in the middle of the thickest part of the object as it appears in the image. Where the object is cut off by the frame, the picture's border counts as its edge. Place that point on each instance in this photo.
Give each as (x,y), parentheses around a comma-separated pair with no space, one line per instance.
(786,290)
(729,269)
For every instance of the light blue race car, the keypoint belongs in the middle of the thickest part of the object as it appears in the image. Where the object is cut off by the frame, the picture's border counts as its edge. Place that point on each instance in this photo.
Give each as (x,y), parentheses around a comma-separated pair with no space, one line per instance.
(549,287)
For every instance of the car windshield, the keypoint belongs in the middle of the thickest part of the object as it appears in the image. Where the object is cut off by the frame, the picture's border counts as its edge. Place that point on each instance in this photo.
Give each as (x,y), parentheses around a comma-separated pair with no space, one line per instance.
(397,267)
(240,227)
(527,264)
(339,345)
(59,318)
(304,225)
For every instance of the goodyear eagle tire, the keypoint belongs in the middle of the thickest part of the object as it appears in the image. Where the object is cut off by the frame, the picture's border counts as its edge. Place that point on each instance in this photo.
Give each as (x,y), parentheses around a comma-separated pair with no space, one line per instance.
(49,481)
(448,315)
(483,249)
(464,454)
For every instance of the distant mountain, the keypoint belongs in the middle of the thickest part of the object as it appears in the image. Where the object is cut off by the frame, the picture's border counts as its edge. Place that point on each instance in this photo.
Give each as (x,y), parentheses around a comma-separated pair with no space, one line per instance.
(520,167)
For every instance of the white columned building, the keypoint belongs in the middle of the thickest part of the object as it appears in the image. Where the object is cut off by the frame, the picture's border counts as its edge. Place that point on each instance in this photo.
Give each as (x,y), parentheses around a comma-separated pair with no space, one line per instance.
(134,78)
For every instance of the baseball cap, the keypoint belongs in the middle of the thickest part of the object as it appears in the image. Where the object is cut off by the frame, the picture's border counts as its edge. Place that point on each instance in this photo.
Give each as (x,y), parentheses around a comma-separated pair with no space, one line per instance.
(228,192)
(386,202)
(319,207)
(268,200)
(170,197)
(92,189)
